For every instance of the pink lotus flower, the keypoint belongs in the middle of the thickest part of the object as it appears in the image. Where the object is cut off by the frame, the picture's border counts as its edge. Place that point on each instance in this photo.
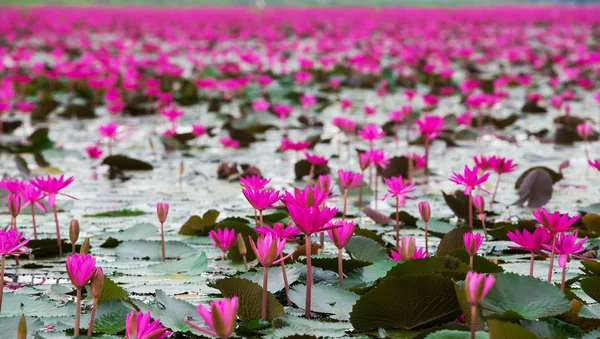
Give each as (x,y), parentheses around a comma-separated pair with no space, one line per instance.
(12,185)
(430,126)
(407,250)
(528,241)
(502,165)
(311,219)
(424,210)
(162,211)
(81,268)
(223,239)
(399,189)
(255,182)
(263,80)
(324,183)
(554,222)
(378,157)
(477,286)
(139,326)
(345,103)
(567,246)
(260,105)
(94,152)
(316,159)
(116,107)
(172,113)
(340,232)
(472,242)
(371,132)
(287,144)
(221,318)
(30,194)
(469,179)
(279,230)
(283,111)
(261,199)
(302,78)
(335,82)
(267,249)
(26,106)
(369,110)
(198,130)
(311,196)
(11,242)
(483,162)
(465,119)
(430,99)
(595,164)
(349,179)
(584,130)
(410,94)
(52,186)
(556,102)
(308,101)
(109,130)
(417,159)
(228,142)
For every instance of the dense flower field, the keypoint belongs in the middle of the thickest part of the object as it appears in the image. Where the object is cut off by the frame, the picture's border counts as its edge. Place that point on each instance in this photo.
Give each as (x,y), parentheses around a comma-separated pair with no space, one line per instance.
(362,172)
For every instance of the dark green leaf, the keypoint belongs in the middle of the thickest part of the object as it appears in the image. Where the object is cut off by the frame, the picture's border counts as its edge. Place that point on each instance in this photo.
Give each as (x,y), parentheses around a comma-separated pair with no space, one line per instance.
(480,264)
(250,298)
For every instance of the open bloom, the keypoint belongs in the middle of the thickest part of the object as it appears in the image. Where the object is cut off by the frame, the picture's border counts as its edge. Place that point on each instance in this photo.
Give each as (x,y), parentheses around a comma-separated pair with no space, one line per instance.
(502,165)
(223,238)
(52,186)
(109,130)
(369,110)
(469,179)
(477,286)
(81,268)
(228,142)
(172,113)
(465,119)
(287,144)
(407,250)
(399,189)
(10,242)
(261,199)
(532,242)
(198,130)
(221,318)
(584,130)
(349,179)
(554,222)
(378,157)
(324,183)
(12,185)
(567,246)
(595,164)
(311,219)
(260,105)
(267,249)
(315,159)
(371,132)
(139,326)
(32,195)
(279,230)
(483,162)
(417,159)
(94,152)
(472,242)
(254,182)
(283,111)
(309,197)
(162,210)
(430,126)
(340,232)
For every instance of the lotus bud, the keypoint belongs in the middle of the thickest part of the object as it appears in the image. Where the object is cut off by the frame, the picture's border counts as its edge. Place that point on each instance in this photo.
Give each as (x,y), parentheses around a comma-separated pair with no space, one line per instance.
(162,210)
(14,204)
(97,282)
(22,328)
(85,247)
(425,210)
(407,248)
(74,231)
(479,203)
(241,244)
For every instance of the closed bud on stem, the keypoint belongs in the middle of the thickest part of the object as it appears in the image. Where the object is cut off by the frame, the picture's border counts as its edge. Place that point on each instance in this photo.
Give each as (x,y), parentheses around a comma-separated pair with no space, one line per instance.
(241,244)
(407,248)
(85,247)
(162,211)
(479,203)
(425,210)
(22,329)
(97,282)
(74,231)
(14,204)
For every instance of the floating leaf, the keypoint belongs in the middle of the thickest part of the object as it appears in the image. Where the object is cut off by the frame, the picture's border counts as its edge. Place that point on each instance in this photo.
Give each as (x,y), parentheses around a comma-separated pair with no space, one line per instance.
(459,204)
(450,334)
(404,217)
(369,234)
(331,264)
(376,216)
(126,163)
(250,298)
(591,286)
(276,282)
(536,189)
(111,317)
(172,312)
(45,248)
(506,330)
(480,264)
(446,266)
(552,328)
(407,302)
(592,222)
(512,298)
(377,270)
(590,312)
(590,267)
(437,227)
(39,307)
(138,231)
(117,213)
(499,229)
(151,250)
(193,265)
(452,240)
(325,299)
(111,291)
(366,249)
(200,226)
(305,328)
(302,169)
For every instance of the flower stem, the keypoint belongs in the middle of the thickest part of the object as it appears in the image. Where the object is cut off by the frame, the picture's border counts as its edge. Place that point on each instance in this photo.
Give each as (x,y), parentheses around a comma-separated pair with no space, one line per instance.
(427,237)
(471,211)
(564,275)
(531,261)
(426,160)
(162,239)
(2,280)
(245,262)
(311,173)
(255,216)
(376,186)
(473,320)
(397,223)
(223,255)
(309,277)
(57,232)
(552,259)
(482,219)
(33,220)
(345,200)
(471,261)
(340,267)
(92,316)
(264,293)
(77,313)
(285,281)
(495,190)
(261,217)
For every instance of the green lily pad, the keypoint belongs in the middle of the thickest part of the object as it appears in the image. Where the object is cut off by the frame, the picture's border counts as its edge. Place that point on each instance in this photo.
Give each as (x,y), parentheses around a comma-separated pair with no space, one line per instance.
(480,264)
(499,229)
(591,286)
(151,250)
(139,231)
(590,267)
(507,330)
(325,299)
(172,312)
(446,266)
(111,317)
(276,283)
(590,312)
(512,298)
(436,227)
(250,298)
(296,327)
(192,265)
(377,270)
(331,264)
(452,240)
(112,291)
(450,334)
(10,325)
(200,226)
(407,302)
(366,249)
(17,304)
(552,328)
(126,212)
